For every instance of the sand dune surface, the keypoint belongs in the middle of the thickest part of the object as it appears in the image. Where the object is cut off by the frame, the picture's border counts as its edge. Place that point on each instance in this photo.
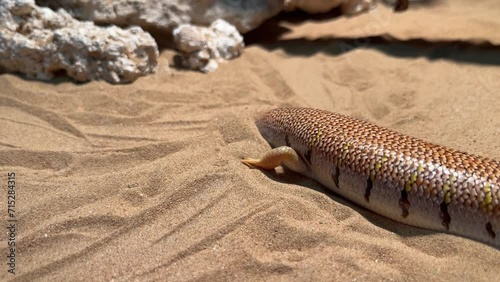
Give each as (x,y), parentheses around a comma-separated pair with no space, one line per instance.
(143,182)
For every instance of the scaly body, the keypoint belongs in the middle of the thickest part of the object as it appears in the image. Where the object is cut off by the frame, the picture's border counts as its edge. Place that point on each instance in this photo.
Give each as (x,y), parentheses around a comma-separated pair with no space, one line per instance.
(397,176)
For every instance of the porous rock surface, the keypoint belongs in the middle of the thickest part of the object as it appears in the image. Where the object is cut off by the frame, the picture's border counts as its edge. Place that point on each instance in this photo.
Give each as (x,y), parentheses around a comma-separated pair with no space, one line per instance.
(165,15)
(203,48)
(40,43)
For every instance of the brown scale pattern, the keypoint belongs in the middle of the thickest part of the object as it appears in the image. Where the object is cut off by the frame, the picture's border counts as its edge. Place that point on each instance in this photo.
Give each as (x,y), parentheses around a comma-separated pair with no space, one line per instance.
(425,169)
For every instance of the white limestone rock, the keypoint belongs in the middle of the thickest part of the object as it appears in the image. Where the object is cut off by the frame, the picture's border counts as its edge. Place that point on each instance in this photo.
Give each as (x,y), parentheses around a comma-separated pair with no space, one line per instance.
(203,48)
(40,43)
(165,15)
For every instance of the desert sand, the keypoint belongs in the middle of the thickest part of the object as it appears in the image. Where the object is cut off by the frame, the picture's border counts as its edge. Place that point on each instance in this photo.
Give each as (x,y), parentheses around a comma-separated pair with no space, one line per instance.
(143,182)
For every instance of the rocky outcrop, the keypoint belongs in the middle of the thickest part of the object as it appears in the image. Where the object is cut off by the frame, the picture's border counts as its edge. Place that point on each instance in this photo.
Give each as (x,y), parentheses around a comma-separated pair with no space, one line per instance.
(40,43)
(165,15)
(203,48)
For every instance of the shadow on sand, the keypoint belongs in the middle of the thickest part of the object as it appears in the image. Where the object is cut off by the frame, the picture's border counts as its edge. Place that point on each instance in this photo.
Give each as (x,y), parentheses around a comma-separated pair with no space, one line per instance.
(269,36)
